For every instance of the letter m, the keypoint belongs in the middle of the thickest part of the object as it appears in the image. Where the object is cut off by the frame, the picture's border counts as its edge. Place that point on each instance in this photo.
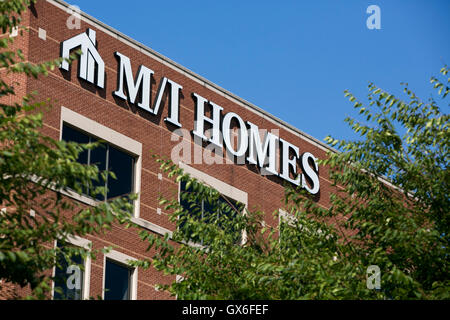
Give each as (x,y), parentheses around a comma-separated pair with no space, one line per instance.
(89,57)
(142,81)
(262,153)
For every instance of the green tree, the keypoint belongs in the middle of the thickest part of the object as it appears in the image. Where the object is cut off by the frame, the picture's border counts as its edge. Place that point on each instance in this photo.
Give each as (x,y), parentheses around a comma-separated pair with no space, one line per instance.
(391,210)
(35,171)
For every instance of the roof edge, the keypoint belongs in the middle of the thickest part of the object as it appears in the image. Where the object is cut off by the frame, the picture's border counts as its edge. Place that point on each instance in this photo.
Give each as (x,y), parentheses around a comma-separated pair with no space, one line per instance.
(225,92)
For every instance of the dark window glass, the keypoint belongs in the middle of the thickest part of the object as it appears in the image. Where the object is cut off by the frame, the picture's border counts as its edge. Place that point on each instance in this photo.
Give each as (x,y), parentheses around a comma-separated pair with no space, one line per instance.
(222,211)
(106,158)
(67,284)
(117,281)
(98,157)
(195,210)
(228,209)
(69,134)
(122,165)
(183,201)
(210,211)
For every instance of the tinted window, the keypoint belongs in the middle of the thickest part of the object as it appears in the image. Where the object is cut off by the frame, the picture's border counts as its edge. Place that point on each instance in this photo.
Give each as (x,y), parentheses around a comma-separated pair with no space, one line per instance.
(117,281)
(220,211)
(107,158)
(69,134)
(98,157)
(122,165)
(67,284)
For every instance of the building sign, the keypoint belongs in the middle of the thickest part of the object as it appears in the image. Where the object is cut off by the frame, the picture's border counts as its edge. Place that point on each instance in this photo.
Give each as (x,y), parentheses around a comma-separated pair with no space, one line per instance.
(88,60)
(136,88)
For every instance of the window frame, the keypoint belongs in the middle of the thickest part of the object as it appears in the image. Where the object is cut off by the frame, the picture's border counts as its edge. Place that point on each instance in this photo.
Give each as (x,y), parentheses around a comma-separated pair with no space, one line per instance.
(223,188)
(112,137)
(82,243)
(121,259)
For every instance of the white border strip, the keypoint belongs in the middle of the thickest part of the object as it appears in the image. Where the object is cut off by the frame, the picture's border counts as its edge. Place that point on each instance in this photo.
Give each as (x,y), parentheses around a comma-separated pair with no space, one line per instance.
(222,187)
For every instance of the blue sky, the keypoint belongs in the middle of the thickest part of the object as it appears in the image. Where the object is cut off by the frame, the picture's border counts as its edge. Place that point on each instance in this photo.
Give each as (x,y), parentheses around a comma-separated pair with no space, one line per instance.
(294,59)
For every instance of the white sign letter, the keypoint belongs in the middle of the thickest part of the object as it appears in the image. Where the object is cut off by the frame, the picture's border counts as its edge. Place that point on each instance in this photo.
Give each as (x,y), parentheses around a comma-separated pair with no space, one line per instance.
(174,103)
(310,172)
(243,138)
(200,119)
(289,162)
(258,151)
(143,78)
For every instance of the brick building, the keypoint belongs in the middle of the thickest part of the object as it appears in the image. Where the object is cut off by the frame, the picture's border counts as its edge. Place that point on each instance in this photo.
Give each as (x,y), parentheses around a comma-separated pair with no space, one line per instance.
(140,101)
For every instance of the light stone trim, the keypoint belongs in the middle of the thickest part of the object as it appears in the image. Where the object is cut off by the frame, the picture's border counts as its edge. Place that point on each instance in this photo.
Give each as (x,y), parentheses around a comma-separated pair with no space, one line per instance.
(222,187)
(151,226)
(42,34)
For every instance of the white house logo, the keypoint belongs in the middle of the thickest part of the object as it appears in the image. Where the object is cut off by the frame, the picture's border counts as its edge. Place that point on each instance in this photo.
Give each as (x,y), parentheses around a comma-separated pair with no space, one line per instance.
(89,59)
(253,148)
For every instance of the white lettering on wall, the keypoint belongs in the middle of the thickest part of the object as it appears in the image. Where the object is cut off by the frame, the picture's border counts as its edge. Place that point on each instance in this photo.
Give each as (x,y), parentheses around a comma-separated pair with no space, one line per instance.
(262,152)
(242,137)
(250,146)
(288,163)
(201,118)
(143,80)
(89,57)
(311,173)
(142,83)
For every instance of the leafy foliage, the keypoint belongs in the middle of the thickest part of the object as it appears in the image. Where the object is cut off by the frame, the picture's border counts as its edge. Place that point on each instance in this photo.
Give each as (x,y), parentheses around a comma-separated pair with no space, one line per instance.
(35,172)
(390,209)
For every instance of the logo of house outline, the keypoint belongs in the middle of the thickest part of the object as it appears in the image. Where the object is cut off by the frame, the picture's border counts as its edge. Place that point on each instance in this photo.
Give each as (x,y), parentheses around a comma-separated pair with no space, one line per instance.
(88,59)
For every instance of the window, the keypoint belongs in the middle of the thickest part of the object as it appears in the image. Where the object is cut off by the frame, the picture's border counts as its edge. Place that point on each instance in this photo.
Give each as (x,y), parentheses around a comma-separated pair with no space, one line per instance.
(222,211)
(107,158)
(229,193)
(120,279)
(84,129)
(69,275)
(117,281)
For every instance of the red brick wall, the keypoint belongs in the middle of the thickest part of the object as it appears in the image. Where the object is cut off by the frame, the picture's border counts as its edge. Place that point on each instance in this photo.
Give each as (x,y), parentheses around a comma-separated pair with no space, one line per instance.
(66,89)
